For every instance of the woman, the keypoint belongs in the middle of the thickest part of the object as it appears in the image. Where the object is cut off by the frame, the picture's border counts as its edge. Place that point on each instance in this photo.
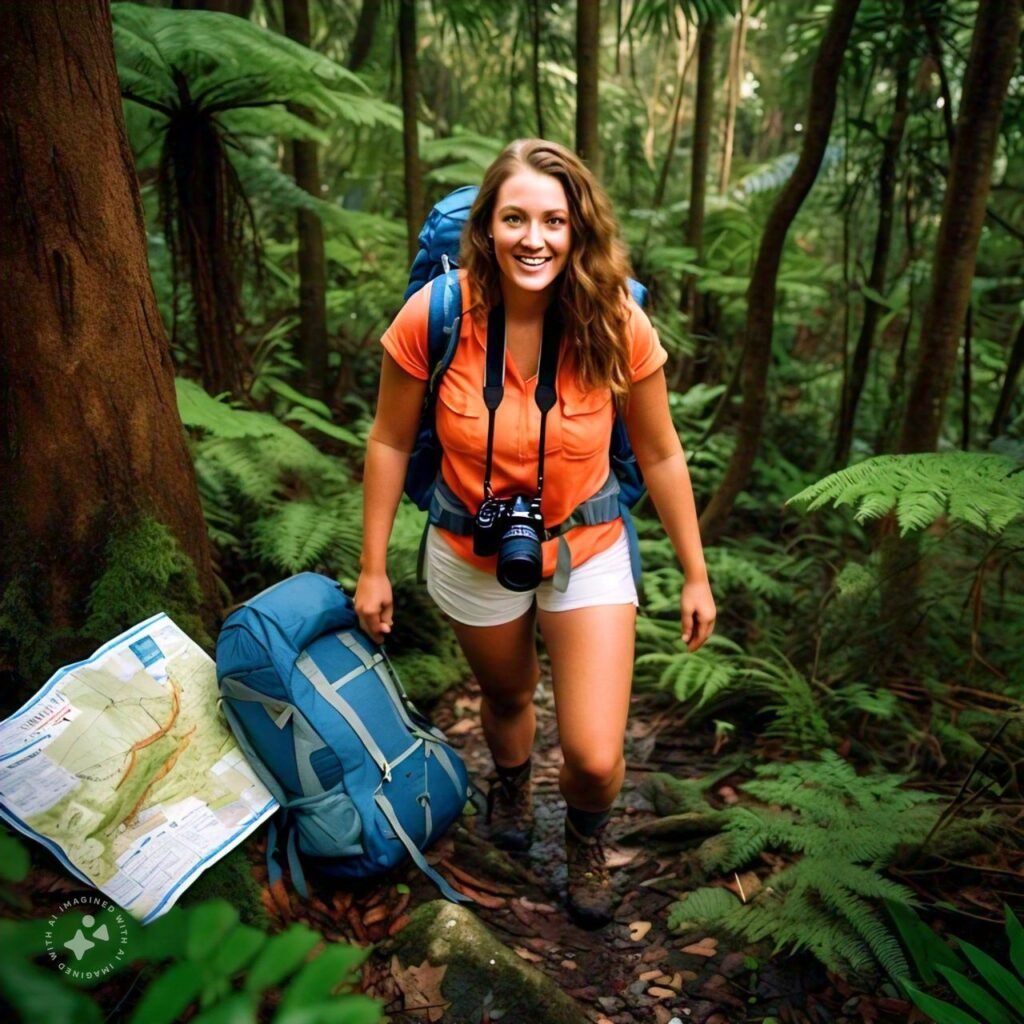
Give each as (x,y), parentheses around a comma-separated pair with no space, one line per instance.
(540,240)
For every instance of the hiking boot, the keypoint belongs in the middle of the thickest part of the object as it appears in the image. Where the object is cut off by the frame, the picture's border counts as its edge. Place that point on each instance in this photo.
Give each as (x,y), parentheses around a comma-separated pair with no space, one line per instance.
(510,813)
(591,900)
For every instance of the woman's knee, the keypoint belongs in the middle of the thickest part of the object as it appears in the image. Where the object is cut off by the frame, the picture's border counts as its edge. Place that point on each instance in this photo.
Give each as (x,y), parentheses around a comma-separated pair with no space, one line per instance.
(594,768)
(507,702)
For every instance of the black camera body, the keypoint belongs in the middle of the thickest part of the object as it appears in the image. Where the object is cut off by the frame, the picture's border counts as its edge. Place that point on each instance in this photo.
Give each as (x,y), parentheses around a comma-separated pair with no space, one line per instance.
(512,529)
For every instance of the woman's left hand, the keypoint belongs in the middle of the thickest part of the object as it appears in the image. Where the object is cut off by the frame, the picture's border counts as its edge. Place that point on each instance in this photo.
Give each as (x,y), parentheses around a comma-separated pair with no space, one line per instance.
(698,613)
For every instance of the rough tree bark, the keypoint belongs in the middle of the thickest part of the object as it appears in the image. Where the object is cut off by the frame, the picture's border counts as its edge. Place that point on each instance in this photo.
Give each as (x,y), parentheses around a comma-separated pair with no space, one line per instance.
(588,43)
(691,302)
(989,66)
(311,259)
(879,261)
(90,437)
(987,76)
(414,194)
(761,294)
(362,41)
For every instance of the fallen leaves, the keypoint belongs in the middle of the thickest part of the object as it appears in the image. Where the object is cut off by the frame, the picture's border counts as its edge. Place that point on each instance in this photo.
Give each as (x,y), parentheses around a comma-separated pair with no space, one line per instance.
(744,885)
(705,947)
(421,988)
(527,954)
(638,930)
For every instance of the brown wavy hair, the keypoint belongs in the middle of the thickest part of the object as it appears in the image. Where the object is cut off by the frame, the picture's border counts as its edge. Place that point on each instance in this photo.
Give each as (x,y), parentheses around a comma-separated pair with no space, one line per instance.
(592,290)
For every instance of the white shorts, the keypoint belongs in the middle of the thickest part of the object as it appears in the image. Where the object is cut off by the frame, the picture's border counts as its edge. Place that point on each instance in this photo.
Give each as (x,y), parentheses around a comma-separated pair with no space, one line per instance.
(476,598)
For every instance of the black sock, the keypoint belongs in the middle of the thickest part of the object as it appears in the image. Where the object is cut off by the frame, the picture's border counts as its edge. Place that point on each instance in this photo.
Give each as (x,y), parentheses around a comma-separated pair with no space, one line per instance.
(513,778)
(587,823)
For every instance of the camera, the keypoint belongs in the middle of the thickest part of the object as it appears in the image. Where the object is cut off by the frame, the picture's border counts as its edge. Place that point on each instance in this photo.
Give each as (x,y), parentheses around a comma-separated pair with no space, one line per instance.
(512,529)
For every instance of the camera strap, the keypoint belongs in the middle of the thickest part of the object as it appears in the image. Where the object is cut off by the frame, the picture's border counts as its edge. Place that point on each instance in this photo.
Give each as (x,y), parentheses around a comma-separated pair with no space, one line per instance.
(494,381)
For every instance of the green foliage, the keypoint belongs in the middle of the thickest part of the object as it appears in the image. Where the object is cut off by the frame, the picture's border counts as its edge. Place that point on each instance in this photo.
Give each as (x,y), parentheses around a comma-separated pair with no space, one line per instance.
(24,637)
(231,879)
(200,958)
(997,996)
(267,490)
(145,572)
(984,491)
(232,64)
(845,829)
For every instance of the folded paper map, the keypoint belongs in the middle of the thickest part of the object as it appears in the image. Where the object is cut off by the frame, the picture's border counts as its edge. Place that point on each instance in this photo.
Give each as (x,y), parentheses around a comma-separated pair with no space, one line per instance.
(123,767)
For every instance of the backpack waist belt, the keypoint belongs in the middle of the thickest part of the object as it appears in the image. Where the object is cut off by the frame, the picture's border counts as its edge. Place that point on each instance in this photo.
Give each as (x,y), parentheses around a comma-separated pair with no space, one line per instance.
(449,513)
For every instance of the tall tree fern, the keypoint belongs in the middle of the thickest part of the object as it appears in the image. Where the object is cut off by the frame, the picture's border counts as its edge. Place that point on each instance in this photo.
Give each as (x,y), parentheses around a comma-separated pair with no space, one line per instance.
(209,79)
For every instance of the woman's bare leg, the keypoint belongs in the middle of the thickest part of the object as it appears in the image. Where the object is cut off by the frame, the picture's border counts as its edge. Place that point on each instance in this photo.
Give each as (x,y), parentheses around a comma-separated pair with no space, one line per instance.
(591,651)
(504,660)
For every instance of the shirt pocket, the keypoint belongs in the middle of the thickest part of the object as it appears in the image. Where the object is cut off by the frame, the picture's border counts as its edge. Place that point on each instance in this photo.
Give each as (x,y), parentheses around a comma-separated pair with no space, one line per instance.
(586,422)
(461,421)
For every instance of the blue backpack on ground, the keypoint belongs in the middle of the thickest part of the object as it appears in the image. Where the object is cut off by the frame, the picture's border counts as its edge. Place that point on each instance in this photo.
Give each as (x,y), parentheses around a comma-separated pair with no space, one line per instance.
(362,778)
(436,264)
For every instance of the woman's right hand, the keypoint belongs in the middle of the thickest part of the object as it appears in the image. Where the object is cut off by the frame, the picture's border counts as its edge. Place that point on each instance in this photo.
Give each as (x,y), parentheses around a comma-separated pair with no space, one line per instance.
(374,606)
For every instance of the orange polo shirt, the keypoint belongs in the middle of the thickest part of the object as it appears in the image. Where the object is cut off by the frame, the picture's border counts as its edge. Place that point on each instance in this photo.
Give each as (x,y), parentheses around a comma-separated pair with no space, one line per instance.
(578,430)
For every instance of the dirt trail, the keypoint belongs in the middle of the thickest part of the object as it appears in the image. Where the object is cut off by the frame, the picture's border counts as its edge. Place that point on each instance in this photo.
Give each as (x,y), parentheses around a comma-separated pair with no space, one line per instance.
(634,971)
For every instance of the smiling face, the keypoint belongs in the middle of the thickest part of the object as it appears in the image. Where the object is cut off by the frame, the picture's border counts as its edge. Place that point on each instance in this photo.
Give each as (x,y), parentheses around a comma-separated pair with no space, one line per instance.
(531,233)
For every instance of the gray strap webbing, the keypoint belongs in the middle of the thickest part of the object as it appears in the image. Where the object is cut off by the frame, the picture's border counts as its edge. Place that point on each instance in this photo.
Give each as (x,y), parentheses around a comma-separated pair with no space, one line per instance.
(563,566)
(277,710)
(350,641)
(308,668)
(424,801)
(413,850)
(408,752)
(263,773)
(448,512)
(307,743)
(437,749)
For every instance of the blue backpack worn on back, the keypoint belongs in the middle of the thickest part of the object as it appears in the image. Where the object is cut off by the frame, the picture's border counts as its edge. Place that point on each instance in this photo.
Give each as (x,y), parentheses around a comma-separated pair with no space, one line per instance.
(436,264)
(362,778)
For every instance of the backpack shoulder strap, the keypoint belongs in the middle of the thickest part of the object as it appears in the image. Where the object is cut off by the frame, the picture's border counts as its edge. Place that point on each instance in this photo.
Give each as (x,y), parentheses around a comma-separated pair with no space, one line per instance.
(443,324)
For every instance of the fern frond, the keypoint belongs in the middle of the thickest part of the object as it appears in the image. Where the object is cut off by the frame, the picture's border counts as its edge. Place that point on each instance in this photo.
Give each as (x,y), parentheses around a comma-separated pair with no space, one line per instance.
(704,906)
(984,491)
(302,534)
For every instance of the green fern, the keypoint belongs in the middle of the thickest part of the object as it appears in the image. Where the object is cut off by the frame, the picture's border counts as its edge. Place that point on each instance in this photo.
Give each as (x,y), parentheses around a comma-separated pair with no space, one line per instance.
(300,535)
(845,828)
(232,64)
(984,491)
(700,676)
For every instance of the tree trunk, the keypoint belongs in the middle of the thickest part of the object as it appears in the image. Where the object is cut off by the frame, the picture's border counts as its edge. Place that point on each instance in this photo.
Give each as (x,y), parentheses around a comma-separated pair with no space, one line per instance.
(683,59)
(362,41)
(761,294)
(311,259)
(690,300)
(414,194)
(90,437)
(987,76)
(734,79)
(588,42)
(991,61)
(240,8)
(879,260)
(1013,368)
(536,33)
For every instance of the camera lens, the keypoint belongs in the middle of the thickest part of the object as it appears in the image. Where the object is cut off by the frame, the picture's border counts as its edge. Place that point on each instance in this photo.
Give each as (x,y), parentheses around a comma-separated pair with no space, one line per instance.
(519,558)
